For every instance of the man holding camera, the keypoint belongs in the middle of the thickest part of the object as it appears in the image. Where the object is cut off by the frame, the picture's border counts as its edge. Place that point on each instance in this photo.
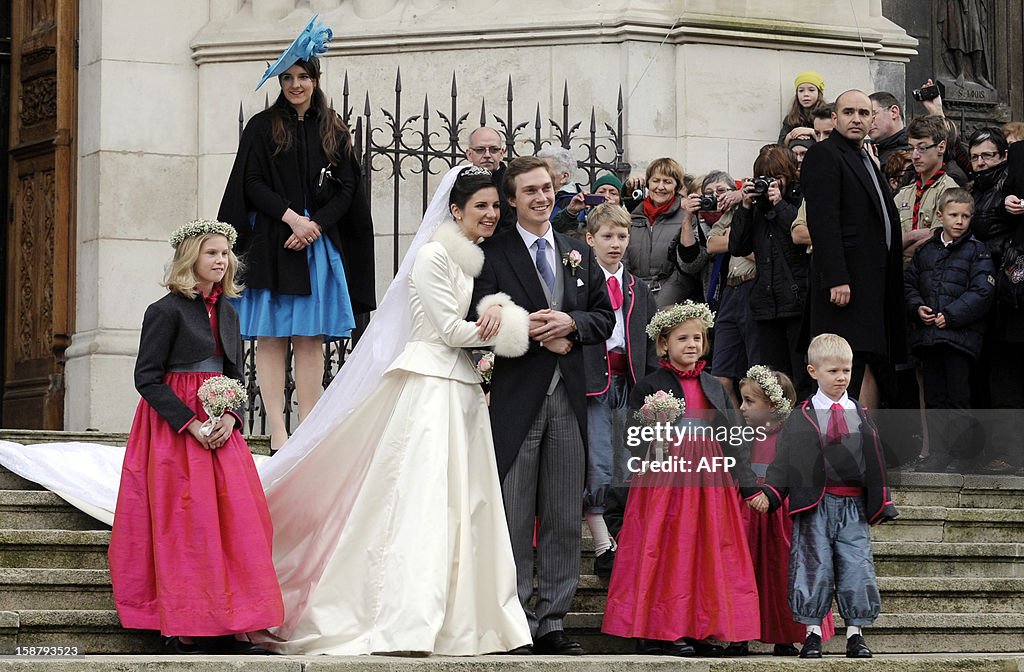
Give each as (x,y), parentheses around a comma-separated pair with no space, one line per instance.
(856,276)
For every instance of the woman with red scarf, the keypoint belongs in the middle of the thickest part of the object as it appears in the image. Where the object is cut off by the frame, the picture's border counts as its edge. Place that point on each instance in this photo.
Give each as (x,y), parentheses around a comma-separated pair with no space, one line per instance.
(654,255)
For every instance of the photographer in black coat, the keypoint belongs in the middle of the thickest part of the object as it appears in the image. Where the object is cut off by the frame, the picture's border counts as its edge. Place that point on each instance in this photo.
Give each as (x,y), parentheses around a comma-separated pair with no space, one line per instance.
(762,226)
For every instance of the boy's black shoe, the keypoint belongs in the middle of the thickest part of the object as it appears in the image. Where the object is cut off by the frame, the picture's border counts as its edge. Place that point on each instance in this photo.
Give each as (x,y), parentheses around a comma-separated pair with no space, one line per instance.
(603,564)
(856,647)
(785,650)
(737,649)
(812,647)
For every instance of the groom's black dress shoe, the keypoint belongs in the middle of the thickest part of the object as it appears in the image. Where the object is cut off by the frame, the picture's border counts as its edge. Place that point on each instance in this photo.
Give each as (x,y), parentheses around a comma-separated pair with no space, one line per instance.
(812,647)
(555,643)
(856,647)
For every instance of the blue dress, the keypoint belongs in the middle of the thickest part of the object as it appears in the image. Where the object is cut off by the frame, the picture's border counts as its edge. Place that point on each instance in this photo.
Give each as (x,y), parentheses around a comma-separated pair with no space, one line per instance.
(326,311)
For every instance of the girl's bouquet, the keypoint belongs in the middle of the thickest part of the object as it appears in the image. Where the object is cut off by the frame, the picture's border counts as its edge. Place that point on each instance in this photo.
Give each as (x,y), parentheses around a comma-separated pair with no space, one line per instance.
(217,395)
(660,408)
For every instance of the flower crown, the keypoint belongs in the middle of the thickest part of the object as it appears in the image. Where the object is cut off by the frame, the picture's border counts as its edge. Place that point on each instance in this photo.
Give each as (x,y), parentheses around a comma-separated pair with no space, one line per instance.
(676,314)
(202,227)
(766,379)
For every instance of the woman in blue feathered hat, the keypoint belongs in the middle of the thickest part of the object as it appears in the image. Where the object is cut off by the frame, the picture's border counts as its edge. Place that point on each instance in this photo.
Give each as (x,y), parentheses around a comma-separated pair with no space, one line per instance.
(296,198)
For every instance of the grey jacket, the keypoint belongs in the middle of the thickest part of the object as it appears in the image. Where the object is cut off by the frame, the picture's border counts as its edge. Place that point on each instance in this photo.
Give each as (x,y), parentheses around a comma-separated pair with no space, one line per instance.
(176,332)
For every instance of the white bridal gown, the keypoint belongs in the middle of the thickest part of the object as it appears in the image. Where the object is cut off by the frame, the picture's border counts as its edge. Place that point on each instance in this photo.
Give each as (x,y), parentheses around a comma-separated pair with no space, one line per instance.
(389,529)
(402,545)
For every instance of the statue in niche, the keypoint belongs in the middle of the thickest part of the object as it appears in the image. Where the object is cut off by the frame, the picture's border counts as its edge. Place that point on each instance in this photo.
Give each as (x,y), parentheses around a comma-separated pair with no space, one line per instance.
(964,31)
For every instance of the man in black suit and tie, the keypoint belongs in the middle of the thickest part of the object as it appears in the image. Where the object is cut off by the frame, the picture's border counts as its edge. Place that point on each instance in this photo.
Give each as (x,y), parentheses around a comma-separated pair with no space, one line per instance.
(538,401)
(856,287)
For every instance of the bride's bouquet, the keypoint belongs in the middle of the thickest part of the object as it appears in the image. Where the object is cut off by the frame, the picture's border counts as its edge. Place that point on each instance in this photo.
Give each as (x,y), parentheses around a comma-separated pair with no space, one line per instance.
(217,395)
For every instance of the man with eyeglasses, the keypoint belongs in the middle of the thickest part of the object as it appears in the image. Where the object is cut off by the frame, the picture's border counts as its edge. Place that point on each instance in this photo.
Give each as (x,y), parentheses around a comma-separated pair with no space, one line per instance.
(887,131)
(856,276)
(486,150)
(918,201)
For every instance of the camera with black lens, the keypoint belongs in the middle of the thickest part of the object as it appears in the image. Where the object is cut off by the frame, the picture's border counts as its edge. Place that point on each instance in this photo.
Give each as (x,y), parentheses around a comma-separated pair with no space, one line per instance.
(708,203)
(639,194)
(761,184)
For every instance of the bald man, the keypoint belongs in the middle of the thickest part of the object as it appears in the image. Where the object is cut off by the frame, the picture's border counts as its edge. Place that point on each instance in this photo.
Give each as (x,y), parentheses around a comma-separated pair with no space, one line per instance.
(487,150)
(856,284)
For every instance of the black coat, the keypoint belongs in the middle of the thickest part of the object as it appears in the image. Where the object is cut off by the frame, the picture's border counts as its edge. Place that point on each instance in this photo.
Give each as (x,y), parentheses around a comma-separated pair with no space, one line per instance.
(780,286)
(269,185)
(844,217)
(990,223)
(798,470)
(726,415)
(175,332)
(957,281)
(638,307)
(519,385)
(889,146)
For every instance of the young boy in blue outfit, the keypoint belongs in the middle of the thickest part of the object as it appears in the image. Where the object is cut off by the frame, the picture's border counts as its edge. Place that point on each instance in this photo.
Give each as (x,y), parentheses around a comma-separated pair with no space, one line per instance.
(612,368)
(830,464)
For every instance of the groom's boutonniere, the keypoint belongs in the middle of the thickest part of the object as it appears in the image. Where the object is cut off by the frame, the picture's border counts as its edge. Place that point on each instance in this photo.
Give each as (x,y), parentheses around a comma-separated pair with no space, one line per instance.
(572,259)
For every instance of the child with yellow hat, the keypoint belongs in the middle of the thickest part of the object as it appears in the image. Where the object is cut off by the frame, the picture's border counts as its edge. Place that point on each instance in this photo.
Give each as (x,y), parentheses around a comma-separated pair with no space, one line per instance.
(809,95)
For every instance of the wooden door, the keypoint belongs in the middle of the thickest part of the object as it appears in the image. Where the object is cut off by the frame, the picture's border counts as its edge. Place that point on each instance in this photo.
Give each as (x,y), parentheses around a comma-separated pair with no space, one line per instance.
(39,292)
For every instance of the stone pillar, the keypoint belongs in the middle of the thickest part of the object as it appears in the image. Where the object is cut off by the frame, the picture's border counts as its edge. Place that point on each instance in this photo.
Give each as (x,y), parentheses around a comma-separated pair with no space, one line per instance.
(137,176)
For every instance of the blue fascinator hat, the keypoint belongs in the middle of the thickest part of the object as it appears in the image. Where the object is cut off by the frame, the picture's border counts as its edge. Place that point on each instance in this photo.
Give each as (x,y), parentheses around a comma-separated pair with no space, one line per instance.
(312,41)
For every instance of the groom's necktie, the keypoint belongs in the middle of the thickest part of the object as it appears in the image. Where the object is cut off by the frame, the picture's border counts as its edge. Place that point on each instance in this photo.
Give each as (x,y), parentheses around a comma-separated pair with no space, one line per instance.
(543,267)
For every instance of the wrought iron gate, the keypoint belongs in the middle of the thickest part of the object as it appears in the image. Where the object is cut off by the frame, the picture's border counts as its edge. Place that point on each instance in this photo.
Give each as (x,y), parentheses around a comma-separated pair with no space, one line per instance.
(396,150)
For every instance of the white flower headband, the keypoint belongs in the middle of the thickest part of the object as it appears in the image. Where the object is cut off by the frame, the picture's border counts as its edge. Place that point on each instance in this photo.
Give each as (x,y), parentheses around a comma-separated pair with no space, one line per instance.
(202,227)
(766,379)
(674,315)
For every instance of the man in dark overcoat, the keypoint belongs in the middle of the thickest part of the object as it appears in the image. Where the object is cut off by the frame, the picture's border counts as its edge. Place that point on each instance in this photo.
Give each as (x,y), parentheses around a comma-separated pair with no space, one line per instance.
(856,283)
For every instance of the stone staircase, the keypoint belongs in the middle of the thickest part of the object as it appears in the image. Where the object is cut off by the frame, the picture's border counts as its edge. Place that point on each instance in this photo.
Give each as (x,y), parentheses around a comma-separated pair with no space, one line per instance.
(951,571)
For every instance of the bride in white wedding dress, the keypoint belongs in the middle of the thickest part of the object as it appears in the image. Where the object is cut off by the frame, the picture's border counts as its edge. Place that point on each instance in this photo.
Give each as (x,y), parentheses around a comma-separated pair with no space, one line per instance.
(389,529)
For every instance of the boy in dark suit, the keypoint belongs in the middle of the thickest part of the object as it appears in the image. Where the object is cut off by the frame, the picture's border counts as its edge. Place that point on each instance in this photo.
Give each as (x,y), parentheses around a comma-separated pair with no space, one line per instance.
(830,463)
(612,368)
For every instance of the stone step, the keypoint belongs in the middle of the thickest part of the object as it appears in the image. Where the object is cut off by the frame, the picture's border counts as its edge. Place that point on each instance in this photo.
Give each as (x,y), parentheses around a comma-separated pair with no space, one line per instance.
(91,632)
(899,594)
(940,524)
(98,632)
(51,589)
(41,510)
(258,443)
(891,633)
(921,558)
(956,490)
(54,549)
(590,663)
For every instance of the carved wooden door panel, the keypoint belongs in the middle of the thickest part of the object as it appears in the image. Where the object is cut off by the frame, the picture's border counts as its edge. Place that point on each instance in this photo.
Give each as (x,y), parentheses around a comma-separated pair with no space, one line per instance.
(39,289)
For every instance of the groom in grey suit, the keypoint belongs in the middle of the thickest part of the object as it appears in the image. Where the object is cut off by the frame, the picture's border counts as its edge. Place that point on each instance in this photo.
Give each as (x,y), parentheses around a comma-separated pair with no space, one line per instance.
(538,401)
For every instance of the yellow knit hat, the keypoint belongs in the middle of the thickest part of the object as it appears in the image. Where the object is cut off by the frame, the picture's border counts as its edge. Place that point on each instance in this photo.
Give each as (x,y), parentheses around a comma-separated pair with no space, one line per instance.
(810,77)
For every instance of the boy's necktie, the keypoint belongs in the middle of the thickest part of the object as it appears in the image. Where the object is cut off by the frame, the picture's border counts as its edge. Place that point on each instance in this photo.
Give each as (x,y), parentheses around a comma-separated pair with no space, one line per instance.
(837,428)
(615,292)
